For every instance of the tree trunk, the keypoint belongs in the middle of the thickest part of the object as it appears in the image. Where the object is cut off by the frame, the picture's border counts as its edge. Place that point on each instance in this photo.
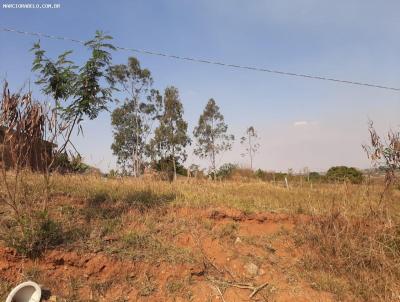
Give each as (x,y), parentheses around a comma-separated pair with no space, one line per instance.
(251,153)
(214,168)
(174,164)
(134,164)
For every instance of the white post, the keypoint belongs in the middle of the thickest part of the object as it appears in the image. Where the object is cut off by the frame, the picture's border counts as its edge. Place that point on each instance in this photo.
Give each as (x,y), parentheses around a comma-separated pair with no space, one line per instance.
(286,182)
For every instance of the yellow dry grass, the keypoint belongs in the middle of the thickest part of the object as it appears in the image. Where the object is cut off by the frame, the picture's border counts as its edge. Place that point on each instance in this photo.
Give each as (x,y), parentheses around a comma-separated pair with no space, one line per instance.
(253,196)
(349,248)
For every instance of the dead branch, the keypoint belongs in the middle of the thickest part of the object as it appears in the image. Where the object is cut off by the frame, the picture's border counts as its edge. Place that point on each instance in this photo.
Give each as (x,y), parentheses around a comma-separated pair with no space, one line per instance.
(220,293)
(255,289)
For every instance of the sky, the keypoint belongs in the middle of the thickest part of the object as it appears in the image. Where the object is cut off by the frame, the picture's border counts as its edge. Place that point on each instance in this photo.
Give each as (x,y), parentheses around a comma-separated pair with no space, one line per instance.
(300,122)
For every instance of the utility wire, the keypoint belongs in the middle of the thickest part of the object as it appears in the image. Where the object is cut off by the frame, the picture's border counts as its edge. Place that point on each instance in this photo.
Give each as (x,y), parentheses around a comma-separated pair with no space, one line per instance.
(154,53)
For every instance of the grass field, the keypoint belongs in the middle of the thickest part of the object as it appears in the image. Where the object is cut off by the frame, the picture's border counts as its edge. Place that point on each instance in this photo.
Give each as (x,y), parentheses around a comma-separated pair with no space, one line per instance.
(251,196)
(198,240)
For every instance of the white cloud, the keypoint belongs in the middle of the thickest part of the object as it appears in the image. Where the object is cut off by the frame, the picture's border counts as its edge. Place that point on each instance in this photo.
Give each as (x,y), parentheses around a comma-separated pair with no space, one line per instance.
(300,123)
(304,123)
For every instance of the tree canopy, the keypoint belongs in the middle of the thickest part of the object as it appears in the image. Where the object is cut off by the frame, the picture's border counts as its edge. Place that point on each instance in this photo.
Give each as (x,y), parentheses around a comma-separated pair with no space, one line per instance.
(211,135)
(132,121)
(171,138)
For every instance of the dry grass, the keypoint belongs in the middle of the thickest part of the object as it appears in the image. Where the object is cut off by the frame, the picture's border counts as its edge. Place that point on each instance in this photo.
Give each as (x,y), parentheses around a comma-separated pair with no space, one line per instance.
(349,250)
(5,288)
(254,196)
(349,256)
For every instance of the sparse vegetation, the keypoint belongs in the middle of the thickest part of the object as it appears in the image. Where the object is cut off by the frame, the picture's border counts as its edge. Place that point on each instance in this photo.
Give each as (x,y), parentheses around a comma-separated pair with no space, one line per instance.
(360,255)
(132,236)
(135,219)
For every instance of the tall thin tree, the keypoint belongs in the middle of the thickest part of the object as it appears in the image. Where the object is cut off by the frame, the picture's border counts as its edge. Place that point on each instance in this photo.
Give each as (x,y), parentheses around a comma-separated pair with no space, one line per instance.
(251,144)
(171,138)
(211,135)
(132,121)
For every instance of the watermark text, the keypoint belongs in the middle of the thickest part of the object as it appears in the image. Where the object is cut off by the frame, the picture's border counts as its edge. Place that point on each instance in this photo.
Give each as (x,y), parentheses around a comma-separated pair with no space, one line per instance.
(31,5)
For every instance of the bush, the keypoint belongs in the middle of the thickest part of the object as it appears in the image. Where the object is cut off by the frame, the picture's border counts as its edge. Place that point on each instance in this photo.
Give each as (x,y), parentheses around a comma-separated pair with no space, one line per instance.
(279,176)
(35,235)
(165,165)
(314,176)
(261,174)
(226,170)
(343,173)
(64,164)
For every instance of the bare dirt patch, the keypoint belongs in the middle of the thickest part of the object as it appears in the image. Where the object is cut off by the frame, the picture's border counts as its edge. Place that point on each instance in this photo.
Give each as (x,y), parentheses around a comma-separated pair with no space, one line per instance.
(174,254)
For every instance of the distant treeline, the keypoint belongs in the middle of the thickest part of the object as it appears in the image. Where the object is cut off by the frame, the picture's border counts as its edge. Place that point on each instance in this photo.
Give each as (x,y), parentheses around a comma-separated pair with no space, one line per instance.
(231,171)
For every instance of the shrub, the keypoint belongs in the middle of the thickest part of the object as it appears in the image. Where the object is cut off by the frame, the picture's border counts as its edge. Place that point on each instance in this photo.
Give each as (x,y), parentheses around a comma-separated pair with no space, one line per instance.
(35,235)
(166,165)
(261,174)
(314,176)
(343,173)
(279,176)
(226,170)
(64,164)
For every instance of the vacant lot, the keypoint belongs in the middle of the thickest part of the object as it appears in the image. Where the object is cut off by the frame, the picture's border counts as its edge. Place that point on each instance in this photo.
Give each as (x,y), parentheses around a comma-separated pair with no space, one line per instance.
(130,240)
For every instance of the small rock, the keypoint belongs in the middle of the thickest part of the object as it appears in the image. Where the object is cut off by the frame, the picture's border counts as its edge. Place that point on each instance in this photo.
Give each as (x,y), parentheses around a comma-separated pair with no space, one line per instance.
(53,298)
(251,269)
(273,259)
(270,248)
(238,240)
(197,270)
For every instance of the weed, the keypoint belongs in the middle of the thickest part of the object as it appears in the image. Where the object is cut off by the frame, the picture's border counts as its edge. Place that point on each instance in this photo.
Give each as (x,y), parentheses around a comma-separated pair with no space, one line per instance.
(325,281)
(364,253)
(5,288)
(98,198)
(229,231)
(74,285)
(145,247)
(109,226)
(146,285)
(208,224)
(99,289)
(37,235)
(175,286)
(32,273)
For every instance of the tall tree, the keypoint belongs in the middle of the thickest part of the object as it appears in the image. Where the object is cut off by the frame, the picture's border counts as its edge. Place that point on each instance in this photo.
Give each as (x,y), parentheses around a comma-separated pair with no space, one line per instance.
(133,120)
(211,135)
(171,138)
(251,144)
(78,91)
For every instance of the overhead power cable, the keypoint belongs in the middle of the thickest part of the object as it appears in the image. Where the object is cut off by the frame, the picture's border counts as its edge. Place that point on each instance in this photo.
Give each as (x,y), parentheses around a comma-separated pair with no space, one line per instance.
(197,60)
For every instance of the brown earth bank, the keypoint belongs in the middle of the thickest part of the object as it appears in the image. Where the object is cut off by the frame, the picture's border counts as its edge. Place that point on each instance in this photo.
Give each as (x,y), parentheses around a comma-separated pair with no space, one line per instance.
(173,254)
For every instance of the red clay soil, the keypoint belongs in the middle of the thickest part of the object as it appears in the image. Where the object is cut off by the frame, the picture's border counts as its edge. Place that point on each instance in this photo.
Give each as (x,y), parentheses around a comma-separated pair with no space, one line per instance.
(226,264)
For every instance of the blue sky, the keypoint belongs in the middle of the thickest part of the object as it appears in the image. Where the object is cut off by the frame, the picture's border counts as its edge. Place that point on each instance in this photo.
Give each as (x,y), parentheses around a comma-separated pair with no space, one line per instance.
(301,122)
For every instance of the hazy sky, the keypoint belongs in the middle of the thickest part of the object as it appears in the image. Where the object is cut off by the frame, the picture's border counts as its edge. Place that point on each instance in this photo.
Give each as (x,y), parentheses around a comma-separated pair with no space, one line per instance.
(301,122)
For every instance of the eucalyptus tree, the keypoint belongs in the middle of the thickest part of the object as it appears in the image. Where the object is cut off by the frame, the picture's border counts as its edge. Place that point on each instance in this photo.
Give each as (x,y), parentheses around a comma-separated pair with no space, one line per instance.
(211,135)
(133,120)
(171,138)
(250,141)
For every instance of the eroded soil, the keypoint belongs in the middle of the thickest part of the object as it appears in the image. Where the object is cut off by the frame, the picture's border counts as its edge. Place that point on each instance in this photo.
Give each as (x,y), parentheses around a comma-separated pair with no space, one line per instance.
(206,255)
